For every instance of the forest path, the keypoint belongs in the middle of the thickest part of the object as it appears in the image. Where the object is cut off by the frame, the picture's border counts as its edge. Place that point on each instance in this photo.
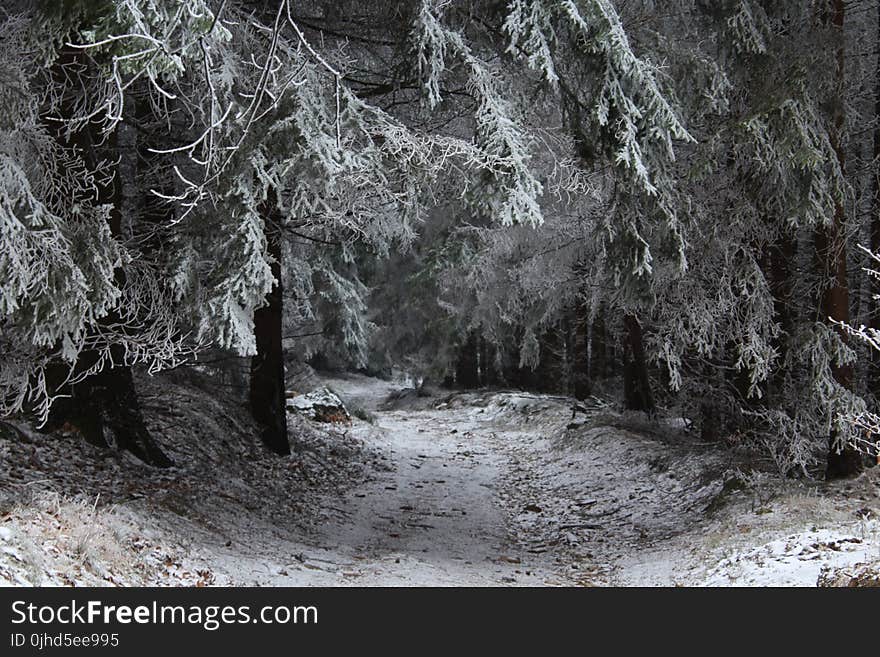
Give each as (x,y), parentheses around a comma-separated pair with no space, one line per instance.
(437,515)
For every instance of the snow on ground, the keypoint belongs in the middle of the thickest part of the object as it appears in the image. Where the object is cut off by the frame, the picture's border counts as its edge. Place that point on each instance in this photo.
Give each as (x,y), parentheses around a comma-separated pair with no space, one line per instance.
(479,488)
(802,534)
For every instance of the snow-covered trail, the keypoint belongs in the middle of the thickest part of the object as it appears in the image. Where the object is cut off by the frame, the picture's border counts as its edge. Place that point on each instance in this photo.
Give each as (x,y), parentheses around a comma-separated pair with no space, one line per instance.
(436,516)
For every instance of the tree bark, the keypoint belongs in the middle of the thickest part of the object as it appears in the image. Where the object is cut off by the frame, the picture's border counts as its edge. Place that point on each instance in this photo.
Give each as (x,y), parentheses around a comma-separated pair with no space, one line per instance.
(104,408)
(581,353)
(598,349)
(709,423)
(466,369)
(267,393)
(843,460)
(488,373)
(636,383)
(874,320)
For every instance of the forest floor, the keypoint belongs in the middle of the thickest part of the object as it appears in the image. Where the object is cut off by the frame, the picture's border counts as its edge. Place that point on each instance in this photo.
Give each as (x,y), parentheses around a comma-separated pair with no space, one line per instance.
(485,488)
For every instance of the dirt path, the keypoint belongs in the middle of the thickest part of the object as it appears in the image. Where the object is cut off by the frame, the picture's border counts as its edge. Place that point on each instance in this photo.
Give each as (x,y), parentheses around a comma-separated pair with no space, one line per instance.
(435,517)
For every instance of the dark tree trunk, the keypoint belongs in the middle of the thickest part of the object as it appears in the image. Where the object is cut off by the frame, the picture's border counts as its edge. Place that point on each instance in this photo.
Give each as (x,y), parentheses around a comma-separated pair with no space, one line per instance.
(709,422)
(518,377)
(843,461)
(581,353)
(481,361)
(598,345)
(874,320)
(267,396)
(104,408)
(636,383)
(488,374)
(467,373)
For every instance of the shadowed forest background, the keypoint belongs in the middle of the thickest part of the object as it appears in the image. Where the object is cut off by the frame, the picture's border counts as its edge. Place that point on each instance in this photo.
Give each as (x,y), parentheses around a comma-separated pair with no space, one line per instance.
(668,208)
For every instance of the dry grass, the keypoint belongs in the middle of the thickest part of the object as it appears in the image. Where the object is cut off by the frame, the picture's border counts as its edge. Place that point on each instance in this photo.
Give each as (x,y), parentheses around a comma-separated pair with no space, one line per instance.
(50,539)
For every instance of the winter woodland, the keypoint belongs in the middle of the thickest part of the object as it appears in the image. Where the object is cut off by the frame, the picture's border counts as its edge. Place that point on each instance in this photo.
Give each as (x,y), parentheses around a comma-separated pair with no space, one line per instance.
(573,258)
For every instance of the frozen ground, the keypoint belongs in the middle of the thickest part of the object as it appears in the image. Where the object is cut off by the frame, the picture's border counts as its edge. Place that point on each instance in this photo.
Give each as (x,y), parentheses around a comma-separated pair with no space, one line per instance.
(485,488)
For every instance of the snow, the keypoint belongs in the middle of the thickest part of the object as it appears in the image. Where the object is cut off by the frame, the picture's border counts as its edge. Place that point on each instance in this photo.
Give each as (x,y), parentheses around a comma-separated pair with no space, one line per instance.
(795,560)
(318,405)
(486,488)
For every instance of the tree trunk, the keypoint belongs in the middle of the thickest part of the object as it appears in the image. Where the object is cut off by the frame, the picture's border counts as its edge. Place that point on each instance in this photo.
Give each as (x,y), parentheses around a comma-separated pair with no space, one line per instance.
(104,408)
(709,422)
(636,383)
(267,396)
(581,353)
(843,460)
(598,349)
(874,320)
(466,369)
(488,373)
